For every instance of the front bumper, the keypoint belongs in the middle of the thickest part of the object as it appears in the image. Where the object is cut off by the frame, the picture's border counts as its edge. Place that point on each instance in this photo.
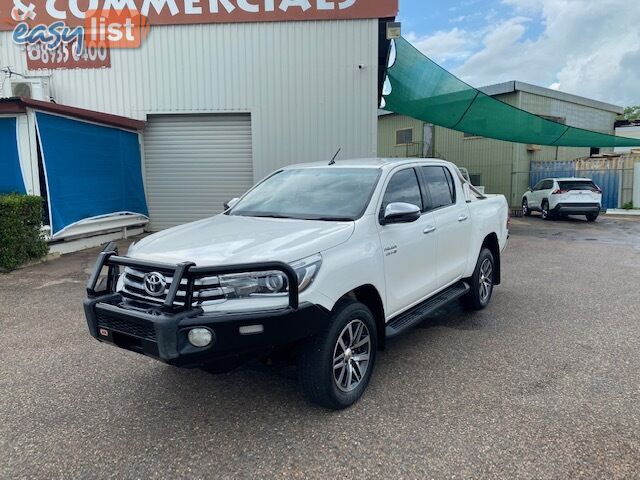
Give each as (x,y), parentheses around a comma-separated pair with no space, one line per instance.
(163,336)
(576,208)
(160,331)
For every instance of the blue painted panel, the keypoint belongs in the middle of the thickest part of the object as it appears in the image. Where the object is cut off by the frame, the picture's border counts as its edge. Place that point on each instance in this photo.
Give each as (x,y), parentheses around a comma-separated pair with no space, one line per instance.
(609,183)
(11,180)
(540,170)
(91,170)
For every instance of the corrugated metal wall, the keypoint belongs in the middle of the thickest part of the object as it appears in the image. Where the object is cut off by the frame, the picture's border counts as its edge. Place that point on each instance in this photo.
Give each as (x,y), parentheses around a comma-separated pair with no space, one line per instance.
(299,80)
(388,125)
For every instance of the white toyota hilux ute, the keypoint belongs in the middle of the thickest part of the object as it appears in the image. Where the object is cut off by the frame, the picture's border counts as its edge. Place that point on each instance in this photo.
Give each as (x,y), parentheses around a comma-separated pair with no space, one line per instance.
(324,261)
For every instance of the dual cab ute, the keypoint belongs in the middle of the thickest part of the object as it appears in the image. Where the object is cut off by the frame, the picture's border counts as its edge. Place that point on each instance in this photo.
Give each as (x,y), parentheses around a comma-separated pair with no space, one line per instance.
(324,261)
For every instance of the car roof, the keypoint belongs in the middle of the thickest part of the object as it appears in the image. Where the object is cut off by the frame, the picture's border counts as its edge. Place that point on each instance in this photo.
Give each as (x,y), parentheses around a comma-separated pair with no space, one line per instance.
(569,179)
(368,163)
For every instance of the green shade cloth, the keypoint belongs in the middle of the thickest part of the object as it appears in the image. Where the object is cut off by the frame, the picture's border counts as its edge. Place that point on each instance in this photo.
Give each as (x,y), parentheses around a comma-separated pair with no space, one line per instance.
(422,89)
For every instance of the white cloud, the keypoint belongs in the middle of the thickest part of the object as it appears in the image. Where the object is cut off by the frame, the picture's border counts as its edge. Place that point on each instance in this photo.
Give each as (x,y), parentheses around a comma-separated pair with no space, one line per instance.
(586,47)
(444,46)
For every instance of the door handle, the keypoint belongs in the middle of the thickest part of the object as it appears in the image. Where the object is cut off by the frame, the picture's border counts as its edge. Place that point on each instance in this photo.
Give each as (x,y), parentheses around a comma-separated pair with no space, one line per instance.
(428,230)
(463,217)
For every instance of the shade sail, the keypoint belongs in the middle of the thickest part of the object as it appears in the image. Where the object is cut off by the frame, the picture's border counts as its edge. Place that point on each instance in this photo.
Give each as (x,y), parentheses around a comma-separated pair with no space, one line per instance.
(11,180)
(422,89)
(91,170)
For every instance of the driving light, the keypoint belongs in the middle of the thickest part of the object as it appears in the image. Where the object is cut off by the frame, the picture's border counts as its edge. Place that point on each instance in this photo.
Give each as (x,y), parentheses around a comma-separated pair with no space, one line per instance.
(200,337)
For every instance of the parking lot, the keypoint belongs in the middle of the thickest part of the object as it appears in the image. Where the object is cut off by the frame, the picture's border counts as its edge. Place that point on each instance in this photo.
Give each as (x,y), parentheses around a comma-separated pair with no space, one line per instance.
(545,383)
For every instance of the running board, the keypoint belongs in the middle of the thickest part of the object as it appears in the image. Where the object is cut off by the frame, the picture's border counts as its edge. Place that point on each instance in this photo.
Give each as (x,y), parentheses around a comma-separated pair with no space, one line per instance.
(416,314)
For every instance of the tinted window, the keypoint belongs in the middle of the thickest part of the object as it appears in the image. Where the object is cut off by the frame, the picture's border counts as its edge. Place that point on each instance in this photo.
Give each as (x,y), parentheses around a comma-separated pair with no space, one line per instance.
(538,186)
(547,185)
(311,193)
(440,185)
(577,185)
(403,187)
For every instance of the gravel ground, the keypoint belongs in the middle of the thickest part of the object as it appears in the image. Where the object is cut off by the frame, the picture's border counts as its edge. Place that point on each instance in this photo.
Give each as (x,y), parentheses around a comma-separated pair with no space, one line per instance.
(545,383)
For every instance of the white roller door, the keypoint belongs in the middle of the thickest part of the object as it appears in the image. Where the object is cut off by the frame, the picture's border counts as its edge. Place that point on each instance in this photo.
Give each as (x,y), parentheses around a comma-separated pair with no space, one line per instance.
(195,163)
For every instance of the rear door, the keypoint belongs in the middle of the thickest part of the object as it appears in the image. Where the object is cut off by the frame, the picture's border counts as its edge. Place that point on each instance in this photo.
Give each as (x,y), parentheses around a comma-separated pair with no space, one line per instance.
(579,191)
(451,214)
(409,248)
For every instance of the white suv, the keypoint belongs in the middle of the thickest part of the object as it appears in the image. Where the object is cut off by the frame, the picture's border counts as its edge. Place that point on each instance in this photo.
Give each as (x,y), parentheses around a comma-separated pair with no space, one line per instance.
(323,261)
(563,196)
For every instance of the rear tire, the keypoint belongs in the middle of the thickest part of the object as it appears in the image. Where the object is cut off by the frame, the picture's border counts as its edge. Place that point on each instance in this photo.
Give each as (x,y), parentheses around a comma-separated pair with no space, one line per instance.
(335,366)
(592,217)
(525,208)
(481,281)
(546,214)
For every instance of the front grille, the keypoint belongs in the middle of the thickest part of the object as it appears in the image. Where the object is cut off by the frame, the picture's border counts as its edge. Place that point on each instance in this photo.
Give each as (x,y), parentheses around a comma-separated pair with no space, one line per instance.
(135,328)
(204,289)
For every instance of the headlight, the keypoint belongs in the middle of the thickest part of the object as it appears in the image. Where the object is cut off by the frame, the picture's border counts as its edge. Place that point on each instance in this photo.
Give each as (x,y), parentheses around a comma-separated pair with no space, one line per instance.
(254,284)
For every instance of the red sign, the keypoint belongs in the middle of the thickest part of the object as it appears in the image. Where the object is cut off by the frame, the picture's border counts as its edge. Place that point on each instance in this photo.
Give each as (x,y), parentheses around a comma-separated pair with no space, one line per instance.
(180,12)
(66,56)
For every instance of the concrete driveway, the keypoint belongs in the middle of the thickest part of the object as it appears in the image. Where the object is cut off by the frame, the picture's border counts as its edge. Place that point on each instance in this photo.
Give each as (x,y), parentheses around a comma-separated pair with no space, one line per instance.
(545,383)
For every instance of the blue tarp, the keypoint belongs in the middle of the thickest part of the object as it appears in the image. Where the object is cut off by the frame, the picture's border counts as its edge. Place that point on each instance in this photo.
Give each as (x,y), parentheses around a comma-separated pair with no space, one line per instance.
(11,180)
(91,170)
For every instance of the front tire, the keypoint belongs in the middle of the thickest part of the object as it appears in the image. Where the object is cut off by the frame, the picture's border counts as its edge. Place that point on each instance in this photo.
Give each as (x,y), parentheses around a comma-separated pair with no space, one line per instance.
(335,366)
(481,281)
(592,217)
(525,208)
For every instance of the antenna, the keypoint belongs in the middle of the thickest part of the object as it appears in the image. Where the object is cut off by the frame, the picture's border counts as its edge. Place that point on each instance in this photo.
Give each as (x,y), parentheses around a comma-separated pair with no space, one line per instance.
(333,160)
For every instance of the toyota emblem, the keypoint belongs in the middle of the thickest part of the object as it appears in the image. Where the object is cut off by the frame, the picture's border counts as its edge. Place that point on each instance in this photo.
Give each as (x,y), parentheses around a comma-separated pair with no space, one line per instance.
(154,284)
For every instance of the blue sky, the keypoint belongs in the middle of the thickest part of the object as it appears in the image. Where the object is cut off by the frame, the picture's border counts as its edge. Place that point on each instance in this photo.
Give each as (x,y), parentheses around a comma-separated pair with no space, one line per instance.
(586,47)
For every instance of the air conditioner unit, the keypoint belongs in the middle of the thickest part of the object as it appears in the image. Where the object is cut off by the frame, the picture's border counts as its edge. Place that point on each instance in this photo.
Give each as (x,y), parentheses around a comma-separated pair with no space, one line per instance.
(36,88)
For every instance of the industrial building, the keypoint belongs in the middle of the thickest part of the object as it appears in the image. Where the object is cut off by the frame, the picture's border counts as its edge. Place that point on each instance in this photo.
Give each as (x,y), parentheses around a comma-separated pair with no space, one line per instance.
(502,167)
(225,99)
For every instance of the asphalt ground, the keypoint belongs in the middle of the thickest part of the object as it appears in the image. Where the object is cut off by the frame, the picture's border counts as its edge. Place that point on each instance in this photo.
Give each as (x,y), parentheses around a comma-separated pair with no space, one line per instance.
(545,383)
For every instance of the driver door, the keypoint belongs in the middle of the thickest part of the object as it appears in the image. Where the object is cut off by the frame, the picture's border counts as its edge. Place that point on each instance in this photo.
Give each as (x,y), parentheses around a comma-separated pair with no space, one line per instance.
(409,249)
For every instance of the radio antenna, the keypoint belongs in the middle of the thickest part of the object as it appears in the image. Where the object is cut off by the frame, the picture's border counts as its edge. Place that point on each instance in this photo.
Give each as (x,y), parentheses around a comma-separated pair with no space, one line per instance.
(333,160)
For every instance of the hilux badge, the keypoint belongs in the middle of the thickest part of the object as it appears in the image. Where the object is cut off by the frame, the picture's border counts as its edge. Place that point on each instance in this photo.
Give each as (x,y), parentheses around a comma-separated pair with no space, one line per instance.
(154,284)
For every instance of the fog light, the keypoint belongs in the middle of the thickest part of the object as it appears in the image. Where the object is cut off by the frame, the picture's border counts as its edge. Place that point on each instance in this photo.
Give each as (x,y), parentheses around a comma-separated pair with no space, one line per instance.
(200,337)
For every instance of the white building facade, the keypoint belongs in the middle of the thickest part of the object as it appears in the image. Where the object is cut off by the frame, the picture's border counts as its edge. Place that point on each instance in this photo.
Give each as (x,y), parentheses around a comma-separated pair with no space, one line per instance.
(228,103)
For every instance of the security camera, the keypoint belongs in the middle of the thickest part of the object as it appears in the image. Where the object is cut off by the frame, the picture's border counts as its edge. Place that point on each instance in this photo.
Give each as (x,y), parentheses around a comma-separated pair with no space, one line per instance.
(362,67)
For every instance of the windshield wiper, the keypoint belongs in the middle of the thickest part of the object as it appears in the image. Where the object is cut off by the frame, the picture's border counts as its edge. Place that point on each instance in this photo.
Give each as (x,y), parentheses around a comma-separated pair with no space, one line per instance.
(265,215)
(333,219)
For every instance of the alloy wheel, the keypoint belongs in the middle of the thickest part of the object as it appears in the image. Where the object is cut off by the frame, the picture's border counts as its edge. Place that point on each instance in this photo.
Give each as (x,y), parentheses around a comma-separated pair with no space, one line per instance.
(486,280)
(351,355)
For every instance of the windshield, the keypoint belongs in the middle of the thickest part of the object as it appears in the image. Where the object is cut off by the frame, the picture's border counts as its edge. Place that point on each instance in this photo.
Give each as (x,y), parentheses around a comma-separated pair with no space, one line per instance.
(311,194)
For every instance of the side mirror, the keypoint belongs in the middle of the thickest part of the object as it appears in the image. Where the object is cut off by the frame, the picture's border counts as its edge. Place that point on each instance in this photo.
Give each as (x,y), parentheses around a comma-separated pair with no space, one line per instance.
(231,203)
(400,212)
(530,189)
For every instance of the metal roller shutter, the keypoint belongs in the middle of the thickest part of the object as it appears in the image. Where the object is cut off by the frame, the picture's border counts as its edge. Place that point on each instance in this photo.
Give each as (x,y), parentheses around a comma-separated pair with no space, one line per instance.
(195,163)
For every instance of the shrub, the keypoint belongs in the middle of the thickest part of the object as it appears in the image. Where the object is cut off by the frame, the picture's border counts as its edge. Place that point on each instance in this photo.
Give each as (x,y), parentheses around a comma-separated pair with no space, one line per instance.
(628,206)
(20,236)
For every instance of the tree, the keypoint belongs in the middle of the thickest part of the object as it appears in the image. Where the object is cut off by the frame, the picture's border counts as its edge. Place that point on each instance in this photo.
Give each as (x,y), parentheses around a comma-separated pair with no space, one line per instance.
(630,113)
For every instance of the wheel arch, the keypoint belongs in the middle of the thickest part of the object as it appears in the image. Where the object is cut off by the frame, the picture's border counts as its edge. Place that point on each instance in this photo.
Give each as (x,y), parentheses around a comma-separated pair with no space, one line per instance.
(369,295)
(491,242)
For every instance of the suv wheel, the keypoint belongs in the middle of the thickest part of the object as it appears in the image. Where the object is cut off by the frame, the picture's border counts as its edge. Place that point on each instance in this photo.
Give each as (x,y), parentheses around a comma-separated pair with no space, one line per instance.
(481,282)
(525,208)
(592,217)
(335,367)
(546,214)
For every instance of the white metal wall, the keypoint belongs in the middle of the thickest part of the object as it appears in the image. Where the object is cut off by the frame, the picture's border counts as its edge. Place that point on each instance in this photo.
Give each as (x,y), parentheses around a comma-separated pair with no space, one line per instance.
(300,81)
(195,163)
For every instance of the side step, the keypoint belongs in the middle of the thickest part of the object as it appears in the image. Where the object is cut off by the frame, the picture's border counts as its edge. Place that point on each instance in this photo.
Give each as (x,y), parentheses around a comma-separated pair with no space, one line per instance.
(415,315)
